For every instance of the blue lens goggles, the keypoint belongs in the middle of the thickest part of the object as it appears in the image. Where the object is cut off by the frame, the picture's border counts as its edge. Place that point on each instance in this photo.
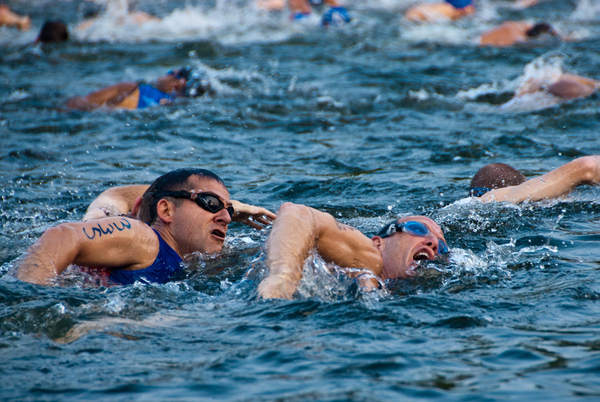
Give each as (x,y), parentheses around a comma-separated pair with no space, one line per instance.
(414,228)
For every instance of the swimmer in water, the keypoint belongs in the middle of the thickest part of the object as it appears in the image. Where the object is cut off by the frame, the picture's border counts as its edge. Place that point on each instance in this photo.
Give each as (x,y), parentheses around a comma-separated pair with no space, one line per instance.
(185,211)
(392,253)
(510,33)
(53,32)
(450,10)
(184,82)
(116,12)
(11,19)
(300,9)
(551,91)
(498,182)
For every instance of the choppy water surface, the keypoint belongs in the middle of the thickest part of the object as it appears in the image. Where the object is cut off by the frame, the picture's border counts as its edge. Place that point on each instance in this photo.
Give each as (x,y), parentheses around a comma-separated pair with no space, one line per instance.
(368,122)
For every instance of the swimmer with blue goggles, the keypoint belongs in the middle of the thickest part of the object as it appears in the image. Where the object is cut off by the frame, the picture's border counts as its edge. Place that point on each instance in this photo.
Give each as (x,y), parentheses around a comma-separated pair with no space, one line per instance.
(413,228)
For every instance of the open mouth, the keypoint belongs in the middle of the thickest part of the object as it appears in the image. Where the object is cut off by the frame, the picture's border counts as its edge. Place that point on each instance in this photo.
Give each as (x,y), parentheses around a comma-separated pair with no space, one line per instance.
(218,233)
(421,256)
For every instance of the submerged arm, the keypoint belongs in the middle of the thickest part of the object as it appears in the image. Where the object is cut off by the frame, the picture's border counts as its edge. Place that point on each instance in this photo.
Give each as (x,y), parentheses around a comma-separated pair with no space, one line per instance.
(558,182)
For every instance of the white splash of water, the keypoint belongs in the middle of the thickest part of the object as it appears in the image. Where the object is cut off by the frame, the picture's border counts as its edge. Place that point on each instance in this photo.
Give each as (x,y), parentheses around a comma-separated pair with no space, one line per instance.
(587,10)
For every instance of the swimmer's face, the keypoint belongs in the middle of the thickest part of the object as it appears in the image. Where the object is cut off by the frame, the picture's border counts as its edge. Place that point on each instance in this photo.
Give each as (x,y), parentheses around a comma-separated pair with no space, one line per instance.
(401,251)
(170,83)
(196,229)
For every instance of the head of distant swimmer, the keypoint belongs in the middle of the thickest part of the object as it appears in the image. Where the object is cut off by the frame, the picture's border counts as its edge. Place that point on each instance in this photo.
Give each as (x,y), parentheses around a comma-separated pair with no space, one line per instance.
(53,32)
(460,3)
(540,29)
(194,81)
(495,175)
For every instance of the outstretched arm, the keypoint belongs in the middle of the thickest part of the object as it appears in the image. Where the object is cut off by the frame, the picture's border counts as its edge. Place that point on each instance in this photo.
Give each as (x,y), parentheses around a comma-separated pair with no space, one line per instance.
(558,182)
(111,243)
(300,229)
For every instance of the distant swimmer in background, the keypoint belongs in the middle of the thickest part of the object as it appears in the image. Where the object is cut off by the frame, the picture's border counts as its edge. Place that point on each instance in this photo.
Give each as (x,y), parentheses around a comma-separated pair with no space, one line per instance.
(335,15)
(53,32)
(499,182)
(450,10)
(11,19)
(539,91)
(116,12)
(184,82)
(510,33)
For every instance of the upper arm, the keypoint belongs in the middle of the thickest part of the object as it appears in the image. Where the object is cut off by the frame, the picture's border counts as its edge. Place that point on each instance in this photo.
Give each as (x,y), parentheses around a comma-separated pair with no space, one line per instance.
(345,245)
(110,243)
(109,96)
(113,243)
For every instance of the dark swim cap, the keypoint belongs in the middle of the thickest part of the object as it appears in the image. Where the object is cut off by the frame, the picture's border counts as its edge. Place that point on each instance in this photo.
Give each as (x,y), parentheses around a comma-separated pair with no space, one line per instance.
(196,80)
(460,3)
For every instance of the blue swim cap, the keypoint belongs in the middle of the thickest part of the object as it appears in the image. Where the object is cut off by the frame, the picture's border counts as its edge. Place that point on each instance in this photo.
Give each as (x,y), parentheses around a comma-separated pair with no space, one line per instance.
(460,3)
(336,16)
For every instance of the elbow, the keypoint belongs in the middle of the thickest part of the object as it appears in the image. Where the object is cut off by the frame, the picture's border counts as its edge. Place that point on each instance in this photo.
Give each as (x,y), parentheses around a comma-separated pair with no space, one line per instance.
(589,169)
(289,208)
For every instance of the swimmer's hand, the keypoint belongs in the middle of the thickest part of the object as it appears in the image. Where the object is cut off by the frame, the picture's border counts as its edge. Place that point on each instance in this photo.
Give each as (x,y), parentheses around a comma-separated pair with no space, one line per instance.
(255,217)
(368,282)
(276,287)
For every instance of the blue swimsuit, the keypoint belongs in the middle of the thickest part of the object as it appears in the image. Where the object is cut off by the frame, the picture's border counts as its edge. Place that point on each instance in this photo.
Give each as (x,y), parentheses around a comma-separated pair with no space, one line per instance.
(150,96)
(166,267)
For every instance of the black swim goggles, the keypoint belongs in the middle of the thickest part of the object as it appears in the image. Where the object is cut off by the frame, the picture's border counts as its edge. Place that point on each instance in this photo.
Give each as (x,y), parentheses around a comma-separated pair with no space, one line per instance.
(414,228)
(207,201)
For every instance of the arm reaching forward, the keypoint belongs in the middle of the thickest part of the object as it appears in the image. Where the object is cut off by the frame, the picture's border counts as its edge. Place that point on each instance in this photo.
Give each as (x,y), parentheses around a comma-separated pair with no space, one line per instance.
(300,229)
(558,182)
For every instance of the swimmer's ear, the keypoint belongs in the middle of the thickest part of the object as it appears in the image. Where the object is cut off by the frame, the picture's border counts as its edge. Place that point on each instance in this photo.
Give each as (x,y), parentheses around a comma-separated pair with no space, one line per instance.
(377,241)
(165,210)
(135,210)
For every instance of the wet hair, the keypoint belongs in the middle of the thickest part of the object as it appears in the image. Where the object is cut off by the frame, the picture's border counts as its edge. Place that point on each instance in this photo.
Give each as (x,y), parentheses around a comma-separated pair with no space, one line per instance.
(53,32)
(172,181)
(495,175)
(540,29)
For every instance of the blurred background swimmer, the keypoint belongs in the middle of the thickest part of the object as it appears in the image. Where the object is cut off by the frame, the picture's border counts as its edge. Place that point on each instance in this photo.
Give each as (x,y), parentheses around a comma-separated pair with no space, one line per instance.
(118,12)
(184,82)
(449,10)
(335,15)
(11,19)
(545,91)
(53,32)
(510,33)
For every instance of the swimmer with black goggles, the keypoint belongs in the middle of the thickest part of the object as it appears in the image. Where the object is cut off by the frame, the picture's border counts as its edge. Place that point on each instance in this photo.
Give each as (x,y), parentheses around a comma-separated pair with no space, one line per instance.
(207,201)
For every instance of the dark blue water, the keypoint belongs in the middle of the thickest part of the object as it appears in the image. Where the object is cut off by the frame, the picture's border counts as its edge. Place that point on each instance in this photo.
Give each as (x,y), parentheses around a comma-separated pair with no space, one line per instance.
(372,121)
